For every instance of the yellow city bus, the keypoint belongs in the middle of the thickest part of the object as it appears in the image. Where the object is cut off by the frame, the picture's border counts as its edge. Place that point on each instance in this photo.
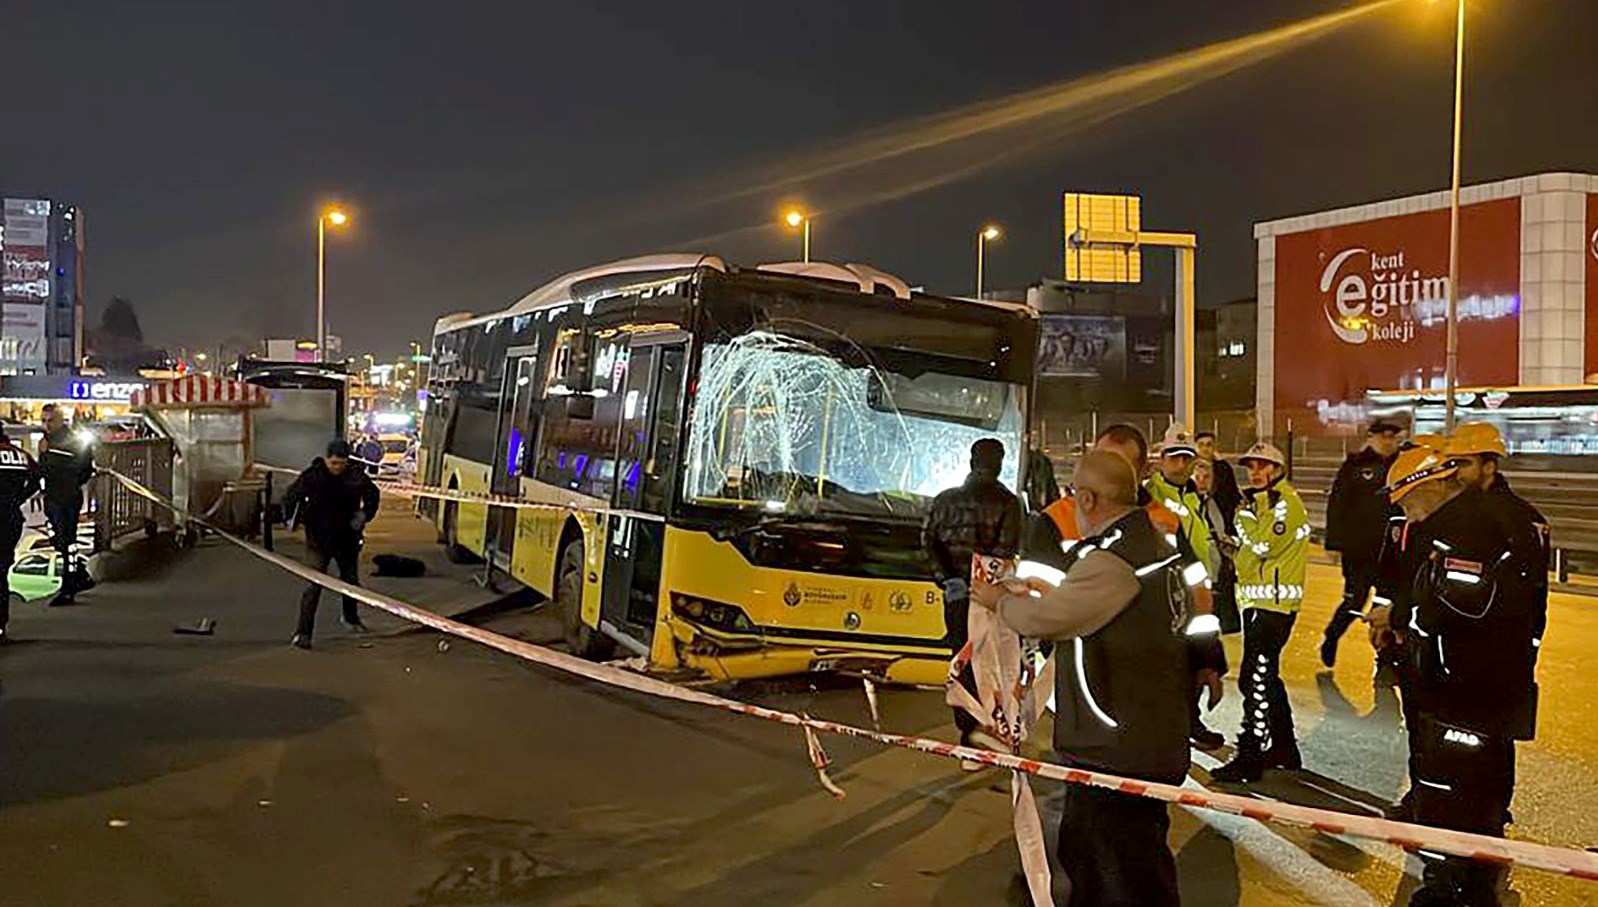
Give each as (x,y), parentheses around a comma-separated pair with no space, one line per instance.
(740,458)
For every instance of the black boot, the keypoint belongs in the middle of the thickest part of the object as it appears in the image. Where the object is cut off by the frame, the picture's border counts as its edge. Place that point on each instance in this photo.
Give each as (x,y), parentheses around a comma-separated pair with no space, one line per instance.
(1284,755)
(1204,738)
(1246,767)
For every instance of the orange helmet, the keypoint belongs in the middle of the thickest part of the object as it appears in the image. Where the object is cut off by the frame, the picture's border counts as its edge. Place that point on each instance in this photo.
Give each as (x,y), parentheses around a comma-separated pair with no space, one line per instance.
(1431,442)
(1476,439)
(1414,467)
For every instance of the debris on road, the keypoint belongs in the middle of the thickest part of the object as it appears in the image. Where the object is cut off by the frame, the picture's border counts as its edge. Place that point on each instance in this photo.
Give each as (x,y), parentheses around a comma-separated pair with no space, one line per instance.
(205,626)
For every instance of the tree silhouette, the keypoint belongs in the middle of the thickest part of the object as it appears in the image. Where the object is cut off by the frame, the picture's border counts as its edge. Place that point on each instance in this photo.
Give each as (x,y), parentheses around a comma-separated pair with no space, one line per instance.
(117,345)
(120,320)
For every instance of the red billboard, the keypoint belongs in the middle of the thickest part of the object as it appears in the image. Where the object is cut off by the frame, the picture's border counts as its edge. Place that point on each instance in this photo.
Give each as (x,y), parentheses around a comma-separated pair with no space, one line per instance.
(1364,306)
(1590,254)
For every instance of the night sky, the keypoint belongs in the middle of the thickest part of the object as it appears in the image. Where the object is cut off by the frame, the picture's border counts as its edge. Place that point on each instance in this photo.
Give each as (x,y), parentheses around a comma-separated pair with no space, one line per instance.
(484,148)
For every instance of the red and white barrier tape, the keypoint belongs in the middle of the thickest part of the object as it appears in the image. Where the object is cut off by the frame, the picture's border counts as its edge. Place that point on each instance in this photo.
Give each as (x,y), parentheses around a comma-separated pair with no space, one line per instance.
(1564,861)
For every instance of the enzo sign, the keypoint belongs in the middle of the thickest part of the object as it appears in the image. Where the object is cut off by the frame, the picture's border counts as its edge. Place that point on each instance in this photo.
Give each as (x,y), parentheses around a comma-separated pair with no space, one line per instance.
(1364,306)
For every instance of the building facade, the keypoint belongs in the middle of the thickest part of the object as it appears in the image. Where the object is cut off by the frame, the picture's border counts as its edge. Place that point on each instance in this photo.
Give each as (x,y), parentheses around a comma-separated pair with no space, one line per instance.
(1353,302)
(41,293)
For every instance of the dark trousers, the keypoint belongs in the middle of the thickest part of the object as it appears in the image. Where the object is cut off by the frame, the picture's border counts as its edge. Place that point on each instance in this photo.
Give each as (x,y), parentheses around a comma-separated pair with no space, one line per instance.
(1359,578)
(1225,591)
(957,630)
(10,534)
(1267,716)
(62,513)
(348,556)
(1463,780)
(1113,849)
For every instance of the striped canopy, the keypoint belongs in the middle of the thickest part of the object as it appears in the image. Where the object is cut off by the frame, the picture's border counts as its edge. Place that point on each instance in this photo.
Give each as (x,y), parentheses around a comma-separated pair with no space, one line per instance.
(199,390)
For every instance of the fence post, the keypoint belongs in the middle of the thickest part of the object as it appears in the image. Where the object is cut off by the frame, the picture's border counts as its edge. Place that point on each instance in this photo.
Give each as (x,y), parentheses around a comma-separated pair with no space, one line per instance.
(1290,450)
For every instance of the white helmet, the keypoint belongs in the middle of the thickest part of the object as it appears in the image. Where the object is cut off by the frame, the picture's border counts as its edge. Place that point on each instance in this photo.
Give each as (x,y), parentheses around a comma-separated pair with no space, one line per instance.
(1265,452)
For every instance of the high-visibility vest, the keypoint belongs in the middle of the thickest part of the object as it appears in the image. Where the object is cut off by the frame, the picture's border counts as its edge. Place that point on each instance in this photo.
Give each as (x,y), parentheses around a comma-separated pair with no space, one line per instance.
(1273,528)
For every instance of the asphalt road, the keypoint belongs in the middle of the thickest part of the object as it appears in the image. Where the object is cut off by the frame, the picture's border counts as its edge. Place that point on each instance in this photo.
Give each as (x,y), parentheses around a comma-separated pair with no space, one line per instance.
(139,767)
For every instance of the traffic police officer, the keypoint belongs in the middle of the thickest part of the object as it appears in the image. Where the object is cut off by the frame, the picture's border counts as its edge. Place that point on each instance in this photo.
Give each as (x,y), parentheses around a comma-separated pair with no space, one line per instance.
(1274,531)
(1171,484)
(19,481)
(1471,622)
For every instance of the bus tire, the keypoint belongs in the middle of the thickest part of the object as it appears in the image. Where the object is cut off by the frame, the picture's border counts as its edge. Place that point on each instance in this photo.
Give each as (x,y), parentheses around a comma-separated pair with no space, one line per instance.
(454,552)
(583,640)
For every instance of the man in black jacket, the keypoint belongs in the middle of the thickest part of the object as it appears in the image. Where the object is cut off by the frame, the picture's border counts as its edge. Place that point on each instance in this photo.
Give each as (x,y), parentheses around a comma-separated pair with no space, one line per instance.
(979,517)
(19,481)
(1356,523)
(1473,619)
(66,464)
(1121,616)
(334,503)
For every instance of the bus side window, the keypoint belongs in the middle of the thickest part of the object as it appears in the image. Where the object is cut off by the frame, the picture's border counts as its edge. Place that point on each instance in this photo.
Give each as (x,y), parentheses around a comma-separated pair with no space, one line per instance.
(664,435)
(577,444)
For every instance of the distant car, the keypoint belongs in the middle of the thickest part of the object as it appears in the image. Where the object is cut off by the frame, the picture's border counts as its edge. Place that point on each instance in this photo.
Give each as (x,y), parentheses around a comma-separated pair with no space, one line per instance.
(35,575)
(396,449)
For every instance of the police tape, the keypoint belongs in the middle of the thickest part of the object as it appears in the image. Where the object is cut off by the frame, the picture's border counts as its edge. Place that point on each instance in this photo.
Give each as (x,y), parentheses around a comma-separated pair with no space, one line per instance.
(1571,862)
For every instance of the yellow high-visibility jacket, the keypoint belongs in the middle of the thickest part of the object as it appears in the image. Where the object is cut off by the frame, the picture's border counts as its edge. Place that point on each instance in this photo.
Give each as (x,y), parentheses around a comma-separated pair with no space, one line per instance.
(1274,530)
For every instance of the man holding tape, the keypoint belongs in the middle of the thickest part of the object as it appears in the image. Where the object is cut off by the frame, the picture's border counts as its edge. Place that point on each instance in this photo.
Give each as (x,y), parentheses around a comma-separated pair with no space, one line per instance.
(1122,684)
(1472,622)
(334,503)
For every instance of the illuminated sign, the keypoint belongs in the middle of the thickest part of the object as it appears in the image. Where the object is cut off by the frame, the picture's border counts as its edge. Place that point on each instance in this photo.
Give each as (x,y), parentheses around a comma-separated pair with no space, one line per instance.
(102,391)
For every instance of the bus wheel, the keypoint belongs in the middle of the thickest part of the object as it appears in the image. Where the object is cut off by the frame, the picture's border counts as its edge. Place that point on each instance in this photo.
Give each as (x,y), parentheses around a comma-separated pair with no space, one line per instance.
(455,552)
(583,640)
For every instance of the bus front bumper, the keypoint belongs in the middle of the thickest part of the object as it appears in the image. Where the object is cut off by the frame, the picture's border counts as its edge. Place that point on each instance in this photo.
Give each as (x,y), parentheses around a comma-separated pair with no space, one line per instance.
(737,656)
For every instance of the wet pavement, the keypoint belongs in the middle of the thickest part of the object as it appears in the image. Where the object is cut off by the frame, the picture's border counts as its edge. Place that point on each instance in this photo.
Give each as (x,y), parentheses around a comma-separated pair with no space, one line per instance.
(140,767)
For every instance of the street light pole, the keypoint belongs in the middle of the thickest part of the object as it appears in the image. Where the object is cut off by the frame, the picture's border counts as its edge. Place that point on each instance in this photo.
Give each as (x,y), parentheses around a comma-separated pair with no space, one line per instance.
(321,280)
(337,218)
(800,220)
(1451,365)
(990,232)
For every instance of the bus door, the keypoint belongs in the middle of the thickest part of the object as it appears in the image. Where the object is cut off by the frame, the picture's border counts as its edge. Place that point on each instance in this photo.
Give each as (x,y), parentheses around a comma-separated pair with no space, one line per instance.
(513,444)
(646,464)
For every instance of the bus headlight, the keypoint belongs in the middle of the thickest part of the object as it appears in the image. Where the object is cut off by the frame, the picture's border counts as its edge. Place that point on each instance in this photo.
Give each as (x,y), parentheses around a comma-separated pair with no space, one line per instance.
(713,614)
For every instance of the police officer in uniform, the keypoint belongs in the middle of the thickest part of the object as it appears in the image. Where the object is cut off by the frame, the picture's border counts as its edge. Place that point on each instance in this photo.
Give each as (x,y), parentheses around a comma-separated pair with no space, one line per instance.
(1471,622)
(66,460)
(1273,529)
(1357,514)
(19,481)
(1123,617)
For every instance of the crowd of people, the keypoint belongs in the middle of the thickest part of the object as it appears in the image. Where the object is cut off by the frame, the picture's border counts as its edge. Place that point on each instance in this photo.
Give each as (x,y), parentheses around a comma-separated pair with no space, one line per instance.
(1161,556)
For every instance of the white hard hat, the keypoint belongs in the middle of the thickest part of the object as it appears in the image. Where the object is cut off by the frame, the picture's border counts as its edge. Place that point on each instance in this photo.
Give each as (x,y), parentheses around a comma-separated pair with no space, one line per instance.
(1178,441)
(1265,451)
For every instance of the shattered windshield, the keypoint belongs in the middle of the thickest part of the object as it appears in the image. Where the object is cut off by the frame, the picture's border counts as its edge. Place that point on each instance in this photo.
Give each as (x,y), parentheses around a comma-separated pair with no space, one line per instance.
(783,425)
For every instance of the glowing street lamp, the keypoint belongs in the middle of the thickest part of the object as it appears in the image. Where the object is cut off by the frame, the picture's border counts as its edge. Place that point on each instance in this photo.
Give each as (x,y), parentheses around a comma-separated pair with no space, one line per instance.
(337,218)
(799,220)
(984,236)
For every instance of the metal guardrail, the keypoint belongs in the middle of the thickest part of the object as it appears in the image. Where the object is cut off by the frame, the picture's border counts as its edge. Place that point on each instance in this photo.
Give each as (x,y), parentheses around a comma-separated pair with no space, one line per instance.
(117,512)
(1568,500)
